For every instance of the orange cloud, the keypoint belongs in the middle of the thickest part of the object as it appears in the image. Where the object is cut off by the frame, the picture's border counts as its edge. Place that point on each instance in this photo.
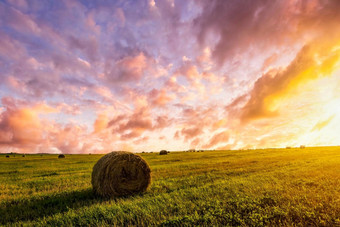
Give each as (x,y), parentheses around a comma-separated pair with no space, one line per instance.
(20,127)
(100,123)
(321,124)
(160,97)
(218,138)
(311,62)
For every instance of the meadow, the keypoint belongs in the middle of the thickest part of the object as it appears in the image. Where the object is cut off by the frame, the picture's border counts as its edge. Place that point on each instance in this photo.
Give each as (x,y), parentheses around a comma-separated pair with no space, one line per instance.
(264,187)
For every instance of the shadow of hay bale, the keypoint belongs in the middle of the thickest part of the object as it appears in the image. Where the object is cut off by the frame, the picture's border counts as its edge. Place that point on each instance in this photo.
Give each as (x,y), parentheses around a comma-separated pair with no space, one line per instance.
(34,208)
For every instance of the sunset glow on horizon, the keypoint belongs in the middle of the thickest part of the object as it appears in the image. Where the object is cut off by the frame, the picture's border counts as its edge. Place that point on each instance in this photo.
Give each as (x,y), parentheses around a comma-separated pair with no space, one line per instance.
(145,75)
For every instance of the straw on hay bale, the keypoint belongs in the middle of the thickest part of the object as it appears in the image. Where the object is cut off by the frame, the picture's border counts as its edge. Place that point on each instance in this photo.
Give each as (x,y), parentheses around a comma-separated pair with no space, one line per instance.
(163,152)
(61,156)
(119,174)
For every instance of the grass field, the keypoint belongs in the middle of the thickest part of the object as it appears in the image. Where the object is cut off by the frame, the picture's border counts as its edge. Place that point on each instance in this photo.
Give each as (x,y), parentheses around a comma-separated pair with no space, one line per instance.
(290,187)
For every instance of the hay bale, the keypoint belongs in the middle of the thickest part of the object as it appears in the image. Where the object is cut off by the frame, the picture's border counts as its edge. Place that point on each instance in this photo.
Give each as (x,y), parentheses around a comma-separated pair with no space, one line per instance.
(61,156)
(7,156)
(163,152)
(302,146)
(119,174)
(23,155)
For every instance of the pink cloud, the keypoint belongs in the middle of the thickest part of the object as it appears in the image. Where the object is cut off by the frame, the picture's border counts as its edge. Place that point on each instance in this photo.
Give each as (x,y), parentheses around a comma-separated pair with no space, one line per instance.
(191,132)
(22,126)
(130,68)
(160,97)
(18,20)
(221,137)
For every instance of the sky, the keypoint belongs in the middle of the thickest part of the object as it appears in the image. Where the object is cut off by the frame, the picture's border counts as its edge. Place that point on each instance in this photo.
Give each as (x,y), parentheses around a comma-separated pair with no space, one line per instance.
(145,75)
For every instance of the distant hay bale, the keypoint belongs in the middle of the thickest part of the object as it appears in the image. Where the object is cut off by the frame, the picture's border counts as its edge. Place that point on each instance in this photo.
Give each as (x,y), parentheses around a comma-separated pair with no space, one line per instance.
(119,174)
(288,147)
(7,156)
(163,152)
(302,146)
(23,155)
(61,156)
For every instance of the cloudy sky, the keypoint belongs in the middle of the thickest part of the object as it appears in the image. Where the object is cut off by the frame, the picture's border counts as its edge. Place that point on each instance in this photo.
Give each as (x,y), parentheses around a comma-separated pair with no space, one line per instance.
(144,75)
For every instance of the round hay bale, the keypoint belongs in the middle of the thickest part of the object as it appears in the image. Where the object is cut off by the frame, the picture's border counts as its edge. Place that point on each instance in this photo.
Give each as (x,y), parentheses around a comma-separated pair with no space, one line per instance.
(7,156)
(23,155)
(120,174)
(163,152)
(61,156)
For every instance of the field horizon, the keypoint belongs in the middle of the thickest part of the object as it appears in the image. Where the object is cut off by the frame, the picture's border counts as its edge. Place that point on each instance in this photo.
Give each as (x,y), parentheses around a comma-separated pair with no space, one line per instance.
(189,150)
(261,187)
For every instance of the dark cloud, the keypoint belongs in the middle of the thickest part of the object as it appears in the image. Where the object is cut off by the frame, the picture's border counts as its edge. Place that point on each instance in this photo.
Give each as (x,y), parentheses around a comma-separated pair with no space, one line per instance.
(128,69)
(240,25)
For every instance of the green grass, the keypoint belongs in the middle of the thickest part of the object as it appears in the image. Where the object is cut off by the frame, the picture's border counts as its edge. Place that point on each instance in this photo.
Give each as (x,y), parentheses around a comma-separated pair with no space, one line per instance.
(289,187)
